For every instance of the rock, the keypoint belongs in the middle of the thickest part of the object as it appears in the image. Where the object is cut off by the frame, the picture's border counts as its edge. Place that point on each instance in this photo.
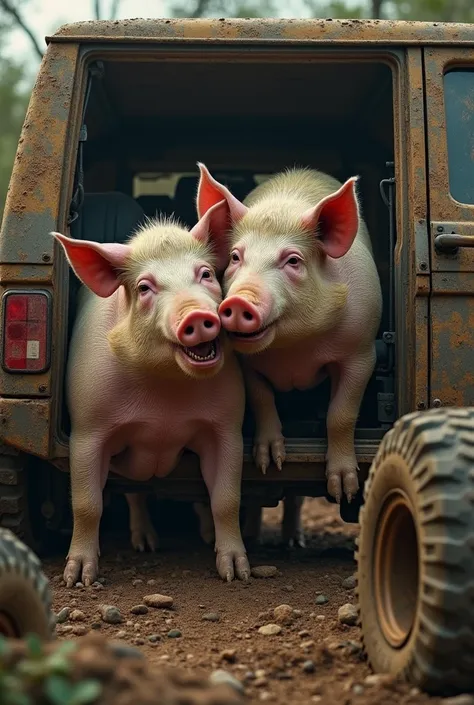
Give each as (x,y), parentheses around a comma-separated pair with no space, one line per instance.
(210,617)
(79,585)
(139,609)
(174,634)
(260,673)
(283,614)
(381,679)
(151,582)
(264,571)
(348,614)
(121,634)
(229,655)
(158,601)
(154,638)
(137,582)
(304,633)
(220,676)
(80,630)
(110,614)
(270,630)
(97,585)
(288,588)
(322,599)
(349,583)
(260,682)
(309,667)
(73,603)
(138,641)
(77,616)
(358,689)
(266,696)
(125,651)
(63,615)
(464,699)
(96,625)
(306,645)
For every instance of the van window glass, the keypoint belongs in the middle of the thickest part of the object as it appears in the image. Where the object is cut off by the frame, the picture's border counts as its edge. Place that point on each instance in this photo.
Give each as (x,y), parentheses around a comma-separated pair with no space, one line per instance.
(459,102)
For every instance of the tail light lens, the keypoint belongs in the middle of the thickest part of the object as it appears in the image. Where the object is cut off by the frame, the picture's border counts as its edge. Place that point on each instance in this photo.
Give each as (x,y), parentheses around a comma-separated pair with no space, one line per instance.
(26,331)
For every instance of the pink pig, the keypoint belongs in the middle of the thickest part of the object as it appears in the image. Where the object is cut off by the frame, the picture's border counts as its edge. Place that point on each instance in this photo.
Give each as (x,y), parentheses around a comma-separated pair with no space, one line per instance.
(303,301)
(150,374)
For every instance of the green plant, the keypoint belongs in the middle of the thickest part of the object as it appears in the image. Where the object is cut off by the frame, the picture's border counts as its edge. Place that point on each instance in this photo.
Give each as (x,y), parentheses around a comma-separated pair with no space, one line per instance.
(43,678)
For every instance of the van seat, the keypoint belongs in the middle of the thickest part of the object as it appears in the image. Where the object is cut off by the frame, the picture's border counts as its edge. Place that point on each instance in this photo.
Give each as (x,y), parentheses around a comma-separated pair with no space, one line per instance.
(156,205)
(107,217)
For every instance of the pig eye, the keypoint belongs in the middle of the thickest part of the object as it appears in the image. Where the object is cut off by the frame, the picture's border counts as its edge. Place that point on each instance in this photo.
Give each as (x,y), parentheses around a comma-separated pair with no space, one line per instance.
(143,288)
(205,274)
(293,261)
(235,256)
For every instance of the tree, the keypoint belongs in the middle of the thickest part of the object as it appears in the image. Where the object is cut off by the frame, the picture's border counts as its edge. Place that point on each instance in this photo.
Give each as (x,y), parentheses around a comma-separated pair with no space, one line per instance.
(225,8)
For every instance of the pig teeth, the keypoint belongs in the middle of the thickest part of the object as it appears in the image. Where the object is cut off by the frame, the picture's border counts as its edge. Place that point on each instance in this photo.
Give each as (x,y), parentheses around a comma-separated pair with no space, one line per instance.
(200,358)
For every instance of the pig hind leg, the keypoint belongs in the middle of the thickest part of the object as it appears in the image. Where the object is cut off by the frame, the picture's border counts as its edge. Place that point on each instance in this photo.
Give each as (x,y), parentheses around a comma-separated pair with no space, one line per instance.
(142,531)
(291,530)
(348,383)
(89,468)
(206,522)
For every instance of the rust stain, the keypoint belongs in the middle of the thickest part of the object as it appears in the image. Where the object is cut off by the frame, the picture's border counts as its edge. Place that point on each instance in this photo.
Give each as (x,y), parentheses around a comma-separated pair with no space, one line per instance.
(26,424)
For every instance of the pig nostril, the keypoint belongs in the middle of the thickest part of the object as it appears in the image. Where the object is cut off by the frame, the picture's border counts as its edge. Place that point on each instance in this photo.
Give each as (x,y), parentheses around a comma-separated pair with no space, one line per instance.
(208,324)
(189,330)
(228,312)
(248,316)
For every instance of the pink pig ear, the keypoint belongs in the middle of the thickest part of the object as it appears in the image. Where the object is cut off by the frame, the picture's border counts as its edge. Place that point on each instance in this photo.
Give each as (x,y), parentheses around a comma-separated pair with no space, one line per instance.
(95,264)
(335,219)
(211,192)
(214,228)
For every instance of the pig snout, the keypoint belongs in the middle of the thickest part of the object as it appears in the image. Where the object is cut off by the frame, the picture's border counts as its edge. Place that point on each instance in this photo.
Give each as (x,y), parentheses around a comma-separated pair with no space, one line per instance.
(198,327)
(239,315)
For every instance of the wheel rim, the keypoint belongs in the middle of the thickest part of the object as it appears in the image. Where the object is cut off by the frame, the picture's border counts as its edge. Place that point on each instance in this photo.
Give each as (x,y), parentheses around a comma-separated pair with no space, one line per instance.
(396,569)
(8,627)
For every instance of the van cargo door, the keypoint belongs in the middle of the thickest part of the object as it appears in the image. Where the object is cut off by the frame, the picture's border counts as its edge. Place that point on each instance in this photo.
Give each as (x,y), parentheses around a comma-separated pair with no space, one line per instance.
(449,81)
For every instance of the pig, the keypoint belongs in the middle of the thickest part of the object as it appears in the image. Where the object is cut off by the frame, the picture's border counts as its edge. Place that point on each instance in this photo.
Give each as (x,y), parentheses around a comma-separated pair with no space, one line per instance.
(302,301)
(150,373)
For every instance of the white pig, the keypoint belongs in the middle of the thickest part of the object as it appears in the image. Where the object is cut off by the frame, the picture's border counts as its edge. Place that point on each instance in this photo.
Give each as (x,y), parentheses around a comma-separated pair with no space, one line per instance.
(150,374)
(303,301)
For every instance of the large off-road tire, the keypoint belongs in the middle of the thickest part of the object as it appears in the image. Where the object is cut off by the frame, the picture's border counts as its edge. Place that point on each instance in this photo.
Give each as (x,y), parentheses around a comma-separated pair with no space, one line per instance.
(14,510)
(416,552)
(25,598)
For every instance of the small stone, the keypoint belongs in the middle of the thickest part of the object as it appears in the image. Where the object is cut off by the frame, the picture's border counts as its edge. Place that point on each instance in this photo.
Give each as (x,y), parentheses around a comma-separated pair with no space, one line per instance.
(174,634)
(260,673)
(415,691)
(348,614)
(97,585)
(154,638)
(264,571)
(139,609)
(349,583)
(270,630)
(129,623)
(151,582)
(266,696)
(283,614)
(137,582)
(138,641)
(121,634)
(96,625)
(309,667)
(358,689)
(137,627)
(110,614)
(124,651)
(158,601)
(306,645)
(288,588)
(298,613)
(221,676)
(73,603)
(464,699)
(322,599)
(63,615)
(303,633)
(210,617)
(79,585)
(321,617)
(229,655)
(80,630)
(260,682)
(77,616)
(380,679)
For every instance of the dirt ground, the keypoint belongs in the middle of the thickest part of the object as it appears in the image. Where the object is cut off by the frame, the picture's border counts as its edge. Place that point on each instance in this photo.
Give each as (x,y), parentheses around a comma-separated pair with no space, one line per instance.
(213,625)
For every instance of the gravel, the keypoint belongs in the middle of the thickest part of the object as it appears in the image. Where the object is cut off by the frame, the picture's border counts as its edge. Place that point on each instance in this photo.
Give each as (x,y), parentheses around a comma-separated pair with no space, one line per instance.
(270,630)
(221,676)
(348,614)
(110,614)
(264,571)
(158,601)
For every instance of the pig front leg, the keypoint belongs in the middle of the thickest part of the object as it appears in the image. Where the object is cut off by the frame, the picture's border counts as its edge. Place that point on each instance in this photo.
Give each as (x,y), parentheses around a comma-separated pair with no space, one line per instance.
(221,467)
(142,531)
(292,531)
(269,441)
(89,468)
(348,383)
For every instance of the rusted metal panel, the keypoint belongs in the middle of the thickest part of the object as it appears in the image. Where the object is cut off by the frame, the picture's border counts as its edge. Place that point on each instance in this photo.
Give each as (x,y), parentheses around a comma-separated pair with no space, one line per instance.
(452,295)
(33,202)
(25,424)
(261,30)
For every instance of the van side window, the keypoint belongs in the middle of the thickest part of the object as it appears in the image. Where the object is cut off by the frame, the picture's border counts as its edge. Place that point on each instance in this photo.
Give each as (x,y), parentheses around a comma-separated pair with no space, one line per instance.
(459,102)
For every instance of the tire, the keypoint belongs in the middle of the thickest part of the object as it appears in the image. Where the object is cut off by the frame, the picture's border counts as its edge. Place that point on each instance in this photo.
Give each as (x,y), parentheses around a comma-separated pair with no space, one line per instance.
(14,513)
(25,597)
(415,559)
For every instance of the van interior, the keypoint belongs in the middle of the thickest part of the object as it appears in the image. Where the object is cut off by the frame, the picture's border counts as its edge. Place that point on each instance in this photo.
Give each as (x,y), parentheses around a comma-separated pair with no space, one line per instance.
(149,121)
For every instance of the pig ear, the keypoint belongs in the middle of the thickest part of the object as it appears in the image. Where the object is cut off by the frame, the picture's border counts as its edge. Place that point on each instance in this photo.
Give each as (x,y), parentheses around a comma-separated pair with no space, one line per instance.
(211,192)
(94,263)
(335,219)
(214,228)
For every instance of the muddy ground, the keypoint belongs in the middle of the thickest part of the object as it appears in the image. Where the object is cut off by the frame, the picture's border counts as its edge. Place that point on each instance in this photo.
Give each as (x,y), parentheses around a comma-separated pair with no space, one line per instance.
(212,625)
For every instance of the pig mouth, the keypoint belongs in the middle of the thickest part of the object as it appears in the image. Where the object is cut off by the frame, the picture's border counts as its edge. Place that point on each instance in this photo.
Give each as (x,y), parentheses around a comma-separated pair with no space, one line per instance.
(256,335)
(204,354)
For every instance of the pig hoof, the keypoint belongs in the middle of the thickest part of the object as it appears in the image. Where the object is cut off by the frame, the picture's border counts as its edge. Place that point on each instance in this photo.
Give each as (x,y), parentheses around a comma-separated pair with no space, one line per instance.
(73,574)
(294,542)
(141,538)
(343,481)
(233,565)
(262,451)
(209,537)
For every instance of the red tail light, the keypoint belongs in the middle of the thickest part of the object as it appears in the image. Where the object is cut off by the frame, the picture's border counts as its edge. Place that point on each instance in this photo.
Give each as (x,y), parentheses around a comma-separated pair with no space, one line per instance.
(26,331)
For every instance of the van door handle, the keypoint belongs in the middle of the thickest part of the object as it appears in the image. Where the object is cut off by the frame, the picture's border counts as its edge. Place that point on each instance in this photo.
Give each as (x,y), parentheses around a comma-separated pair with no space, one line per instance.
(449,243)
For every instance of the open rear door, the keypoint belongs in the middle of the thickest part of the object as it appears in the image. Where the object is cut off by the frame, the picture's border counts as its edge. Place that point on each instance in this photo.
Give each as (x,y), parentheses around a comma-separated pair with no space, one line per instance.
(449,77)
